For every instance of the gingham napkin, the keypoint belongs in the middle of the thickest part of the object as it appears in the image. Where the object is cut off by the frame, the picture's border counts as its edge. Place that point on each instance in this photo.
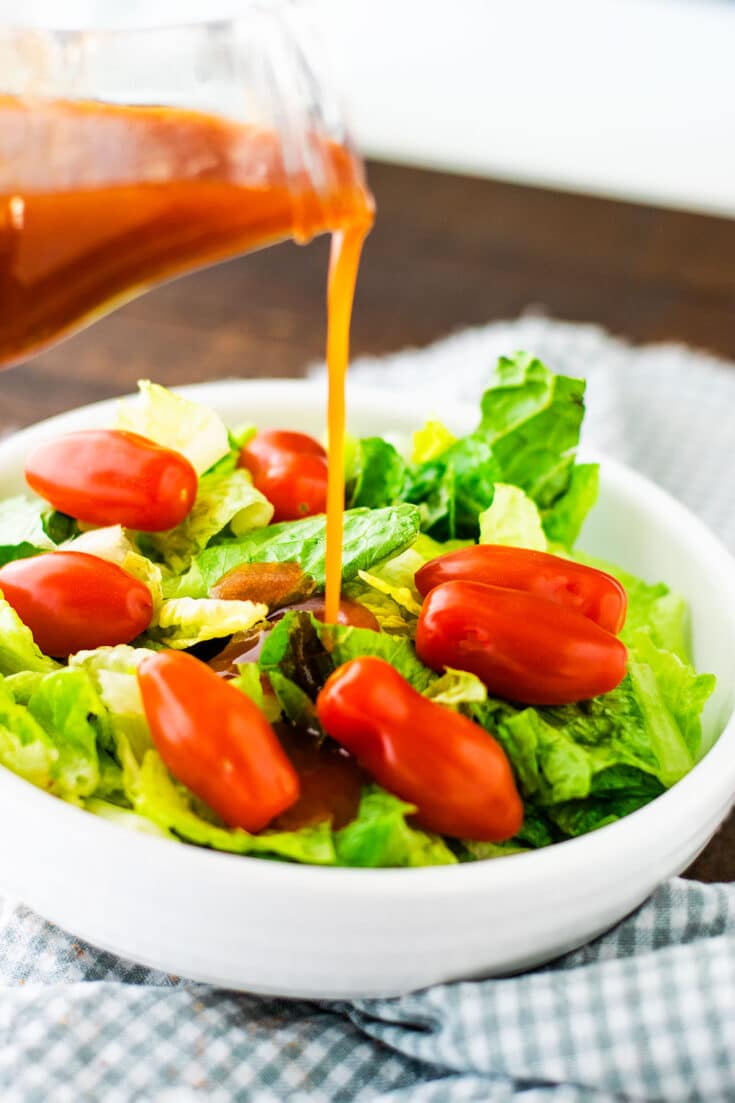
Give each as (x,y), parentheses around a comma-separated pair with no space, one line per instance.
(647,1012)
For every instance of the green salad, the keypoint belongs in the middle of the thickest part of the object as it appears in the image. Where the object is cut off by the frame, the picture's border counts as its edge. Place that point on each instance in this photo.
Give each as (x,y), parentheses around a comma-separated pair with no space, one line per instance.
(77,728)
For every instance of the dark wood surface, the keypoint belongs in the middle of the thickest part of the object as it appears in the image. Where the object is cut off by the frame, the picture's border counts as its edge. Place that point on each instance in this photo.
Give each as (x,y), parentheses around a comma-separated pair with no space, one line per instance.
(446,252)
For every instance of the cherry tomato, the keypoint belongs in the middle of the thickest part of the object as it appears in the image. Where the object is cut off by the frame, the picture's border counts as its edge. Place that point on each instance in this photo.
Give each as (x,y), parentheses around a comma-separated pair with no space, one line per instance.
(216,741)
(290,469)
(72,601)
(112,477)
(270,444)
(523,647)
(456,775)
(594,594)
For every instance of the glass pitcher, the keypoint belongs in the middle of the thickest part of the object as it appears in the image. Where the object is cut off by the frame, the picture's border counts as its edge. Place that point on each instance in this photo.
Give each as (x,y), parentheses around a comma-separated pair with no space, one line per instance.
(130,156)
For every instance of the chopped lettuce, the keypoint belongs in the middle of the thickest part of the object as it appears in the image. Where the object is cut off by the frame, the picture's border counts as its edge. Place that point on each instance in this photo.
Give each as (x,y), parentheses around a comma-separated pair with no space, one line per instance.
(379,474)
(186,621)
(369,537)
(564,519)
(532,419)
(403,596)
(526,438)
(67,706)
(455,688)
(389,591)
(11,552)
(455,487)
(125,818)
(249,682)
(113,674)
(176,422)
(380,836)
(597,758)
(157,797)
(513,519)
(22,523)
(225,502)
(670,688)
(429,442)
(343,642)
(51,738)
(22,529)
(18,650)
(297,665)
(25,747)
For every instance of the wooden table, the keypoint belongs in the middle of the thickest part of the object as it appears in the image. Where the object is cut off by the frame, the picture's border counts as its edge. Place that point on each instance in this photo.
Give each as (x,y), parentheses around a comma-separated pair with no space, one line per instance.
(446,252)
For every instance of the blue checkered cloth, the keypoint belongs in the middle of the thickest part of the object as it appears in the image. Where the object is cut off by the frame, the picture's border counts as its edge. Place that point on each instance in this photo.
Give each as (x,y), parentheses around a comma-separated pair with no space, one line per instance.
(645,1013)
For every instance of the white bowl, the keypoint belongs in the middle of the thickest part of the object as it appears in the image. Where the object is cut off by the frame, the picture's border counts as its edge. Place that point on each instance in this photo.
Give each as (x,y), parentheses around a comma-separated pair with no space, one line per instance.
(318,932)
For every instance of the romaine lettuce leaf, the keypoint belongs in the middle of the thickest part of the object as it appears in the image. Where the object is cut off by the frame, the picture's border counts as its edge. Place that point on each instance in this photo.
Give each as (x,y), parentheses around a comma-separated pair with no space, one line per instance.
(532,419)
(297,665)
(22,684)
(125,818)
(50,735)
(226,504)
(512,519)
(430,441)
(403,596)
(564,519)
(25,748)
(18,650)
(11,552)
(380,836)
(176,422)
(157,797)
(22,523)
(455,688)
(680,693)
(185,621)
(537,830)
(249,682)
(392,618)
(455,487)
(379,474)
(370,536)
(113,674)
(68,708)
(589,763)
(389,591)
(526,438)
(344,642)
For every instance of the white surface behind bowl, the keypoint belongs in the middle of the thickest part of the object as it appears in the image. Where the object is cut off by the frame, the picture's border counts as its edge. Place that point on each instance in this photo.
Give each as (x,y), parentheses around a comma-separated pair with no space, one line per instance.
(300,931)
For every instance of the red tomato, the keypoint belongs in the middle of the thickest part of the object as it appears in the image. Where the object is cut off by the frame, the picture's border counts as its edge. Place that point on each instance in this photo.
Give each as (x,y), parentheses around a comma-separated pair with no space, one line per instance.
(72,601)
(523,647)
(216,741)
(456,775)
(594,594)
(290,469)
(112,477)
(270,444)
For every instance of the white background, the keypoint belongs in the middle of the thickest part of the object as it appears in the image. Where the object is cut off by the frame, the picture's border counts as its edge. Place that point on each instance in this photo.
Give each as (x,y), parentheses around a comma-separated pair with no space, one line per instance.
(632,98)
